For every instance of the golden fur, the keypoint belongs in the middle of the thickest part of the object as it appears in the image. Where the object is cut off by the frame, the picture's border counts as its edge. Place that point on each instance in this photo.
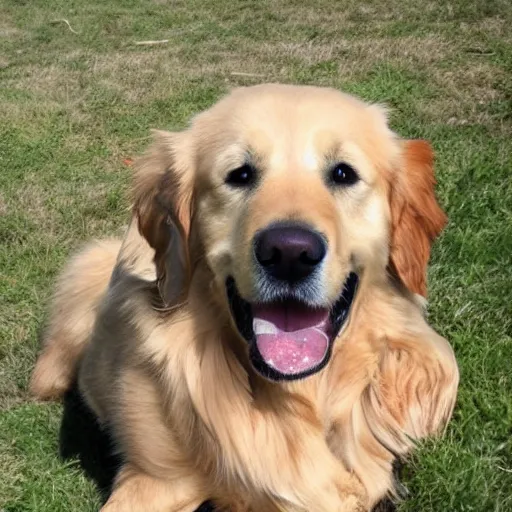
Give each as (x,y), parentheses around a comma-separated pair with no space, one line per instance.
(146,324)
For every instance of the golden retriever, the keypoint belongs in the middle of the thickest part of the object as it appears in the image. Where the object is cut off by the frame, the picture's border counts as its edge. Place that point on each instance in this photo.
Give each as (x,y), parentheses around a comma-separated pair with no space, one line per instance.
(258,337)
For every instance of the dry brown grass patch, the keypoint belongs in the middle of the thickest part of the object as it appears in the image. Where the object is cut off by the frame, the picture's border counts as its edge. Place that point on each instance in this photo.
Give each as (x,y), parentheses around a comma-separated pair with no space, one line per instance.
(467,92)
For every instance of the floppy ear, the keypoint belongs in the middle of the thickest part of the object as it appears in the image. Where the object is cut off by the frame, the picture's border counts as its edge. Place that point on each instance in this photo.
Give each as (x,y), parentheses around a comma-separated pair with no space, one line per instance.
(416,217)
(162,198)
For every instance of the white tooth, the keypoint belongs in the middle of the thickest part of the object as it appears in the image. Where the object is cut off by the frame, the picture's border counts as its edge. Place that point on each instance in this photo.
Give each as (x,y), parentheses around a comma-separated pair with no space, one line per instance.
(323,333)
(263,327)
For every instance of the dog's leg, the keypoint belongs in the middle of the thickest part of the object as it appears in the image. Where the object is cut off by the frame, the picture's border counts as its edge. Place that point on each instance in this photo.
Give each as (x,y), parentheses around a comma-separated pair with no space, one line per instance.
(158,478)
(344,503)
(79,291)
(325,484)
(342,492)
(135,491)
(313,480)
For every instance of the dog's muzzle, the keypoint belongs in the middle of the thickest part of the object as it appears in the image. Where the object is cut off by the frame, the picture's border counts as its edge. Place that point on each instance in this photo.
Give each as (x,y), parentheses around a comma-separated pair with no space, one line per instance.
(290,334)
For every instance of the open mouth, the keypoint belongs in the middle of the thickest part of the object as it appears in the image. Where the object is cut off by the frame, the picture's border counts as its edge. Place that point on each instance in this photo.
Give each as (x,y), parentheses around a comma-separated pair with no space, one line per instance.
(289,339)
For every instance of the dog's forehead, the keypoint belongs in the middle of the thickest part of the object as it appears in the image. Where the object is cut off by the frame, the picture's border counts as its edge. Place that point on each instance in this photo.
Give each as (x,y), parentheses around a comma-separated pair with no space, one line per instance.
(277,121)
(274,108)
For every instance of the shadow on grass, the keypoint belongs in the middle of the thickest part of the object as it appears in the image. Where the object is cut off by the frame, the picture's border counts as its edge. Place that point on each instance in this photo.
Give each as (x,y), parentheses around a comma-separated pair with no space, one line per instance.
(82,438)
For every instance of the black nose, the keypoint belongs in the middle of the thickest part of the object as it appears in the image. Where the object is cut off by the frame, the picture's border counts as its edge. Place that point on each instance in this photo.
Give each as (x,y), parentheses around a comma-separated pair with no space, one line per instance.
(289,253)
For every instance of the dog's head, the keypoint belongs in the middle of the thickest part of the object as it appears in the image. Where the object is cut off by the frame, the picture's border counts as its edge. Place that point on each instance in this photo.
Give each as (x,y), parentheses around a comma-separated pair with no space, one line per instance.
(293,198)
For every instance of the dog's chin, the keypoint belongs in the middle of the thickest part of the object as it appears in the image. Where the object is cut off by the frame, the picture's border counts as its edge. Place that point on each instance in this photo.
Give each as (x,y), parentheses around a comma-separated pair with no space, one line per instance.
(289,339)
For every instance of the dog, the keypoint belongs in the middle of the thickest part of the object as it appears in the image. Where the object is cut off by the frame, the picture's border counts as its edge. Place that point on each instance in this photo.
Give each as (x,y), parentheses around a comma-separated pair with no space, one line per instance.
(258,338)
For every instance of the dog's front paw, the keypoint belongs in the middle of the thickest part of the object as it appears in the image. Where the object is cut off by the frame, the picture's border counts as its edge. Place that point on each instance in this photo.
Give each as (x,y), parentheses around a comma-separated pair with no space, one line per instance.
(353,504)
(352,495)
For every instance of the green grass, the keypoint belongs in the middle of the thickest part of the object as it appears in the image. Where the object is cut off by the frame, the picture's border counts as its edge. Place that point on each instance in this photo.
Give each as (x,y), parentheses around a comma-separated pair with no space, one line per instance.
(73,106)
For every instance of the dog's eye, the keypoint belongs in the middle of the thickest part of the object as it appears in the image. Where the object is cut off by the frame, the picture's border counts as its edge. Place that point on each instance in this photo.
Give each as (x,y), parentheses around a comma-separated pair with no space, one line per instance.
(244,176)
(344,174)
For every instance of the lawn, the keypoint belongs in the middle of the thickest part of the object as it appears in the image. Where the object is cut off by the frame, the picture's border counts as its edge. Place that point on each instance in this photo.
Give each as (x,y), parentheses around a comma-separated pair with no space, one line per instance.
(78,97)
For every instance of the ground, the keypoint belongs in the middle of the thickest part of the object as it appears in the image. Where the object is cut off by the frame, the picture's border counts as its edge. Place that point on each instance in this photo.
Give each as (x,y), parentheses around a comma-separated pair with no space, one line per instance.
(78,96)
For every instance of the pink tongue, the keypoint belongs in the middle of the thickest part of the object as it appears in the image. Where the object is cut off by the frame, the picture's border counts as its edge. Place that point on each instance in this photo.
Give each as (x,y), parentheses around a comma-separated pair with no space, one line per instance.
(291,337)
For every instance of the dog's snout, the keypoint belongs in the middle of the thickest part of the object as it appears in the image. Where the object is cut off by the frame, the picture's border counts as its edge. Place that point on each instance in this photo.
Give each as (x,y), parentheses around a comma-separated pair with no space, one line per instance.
(289,253)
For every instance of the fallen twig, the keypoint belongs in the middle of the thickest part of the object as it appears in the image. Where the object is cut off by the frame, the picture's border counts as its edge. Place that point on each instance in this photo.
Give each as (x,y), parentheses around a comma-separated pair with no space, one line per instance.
(479,51)
(66,22)
(241,73)
(149,43)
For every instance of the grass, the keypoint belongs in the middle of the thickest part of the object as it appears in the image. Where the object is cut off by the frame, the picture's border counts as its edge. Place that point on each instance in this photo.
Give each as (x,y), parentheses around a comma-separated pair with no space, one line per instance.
(74,105)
